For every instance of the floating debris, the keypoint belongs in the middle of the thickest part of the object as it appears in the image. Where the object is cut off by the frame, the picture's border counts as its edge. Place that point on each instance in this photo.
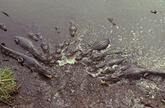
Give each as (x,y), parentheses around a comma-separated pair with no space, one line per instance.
(57,28)
(66,60)
(111,20)
(154,11)
(6,14)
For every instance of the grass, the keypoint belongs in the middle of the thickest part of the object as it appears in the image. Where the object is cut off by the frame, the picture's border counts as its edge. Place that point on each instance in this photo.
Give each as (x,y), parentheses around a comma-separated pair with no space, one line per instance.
(8,86)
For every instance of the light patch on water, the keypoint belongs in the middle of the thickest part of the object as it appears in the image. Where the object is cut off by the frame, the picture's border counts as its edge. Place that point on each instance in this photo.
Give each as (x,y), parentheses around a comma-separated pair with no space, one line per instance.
(81,33)
(117,27)
(72,60)
(99,72)
(94,75)
(141,31)
(114,66)
(66,60)
(149,87)
(120,37)
(141,27)
(102,51)
(111,31)
(69,60)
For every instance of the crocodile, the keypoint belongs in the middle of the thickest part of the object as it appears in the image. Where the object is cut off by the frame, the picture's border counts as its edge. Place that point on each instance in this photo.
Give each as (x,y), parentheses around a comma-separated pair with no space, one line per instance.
(25,60)
(5,13)
(28,46)
(133,73)
(72,29)
(101,44)
(3,27)
(33,36)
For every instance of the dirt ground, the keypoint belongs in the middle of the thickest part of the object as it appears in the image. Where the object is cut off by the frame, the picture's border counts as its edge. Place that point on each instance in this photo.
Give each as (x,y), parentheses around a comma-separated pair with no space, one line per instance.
(74,88)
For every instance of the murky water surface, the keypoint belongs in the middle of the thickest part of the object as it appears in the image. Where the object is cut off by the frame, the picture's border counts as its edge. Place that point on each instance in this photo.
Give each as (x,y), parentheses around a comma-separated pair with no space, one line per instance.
(136,26)
(134,21)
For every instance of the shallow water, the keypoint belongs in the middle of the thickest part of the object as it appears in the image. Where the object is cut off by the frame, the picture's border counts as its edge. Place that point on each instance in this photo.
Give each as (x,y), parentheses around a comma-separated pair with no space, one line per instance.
(135,24)
(127,14)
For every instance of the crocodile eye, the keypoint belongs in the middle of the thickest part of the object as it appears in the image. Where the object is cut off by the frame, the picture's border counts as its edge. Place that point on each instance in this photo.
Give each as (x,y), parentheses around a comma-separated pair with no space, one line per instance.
(16,41)
(3,44)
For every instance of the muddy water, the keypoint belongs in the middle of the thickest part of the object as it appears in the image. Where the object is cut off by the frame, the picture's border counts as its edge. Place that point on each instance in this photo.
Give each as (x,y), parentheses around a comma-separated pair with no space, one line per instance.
(136,29)
(135,23)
